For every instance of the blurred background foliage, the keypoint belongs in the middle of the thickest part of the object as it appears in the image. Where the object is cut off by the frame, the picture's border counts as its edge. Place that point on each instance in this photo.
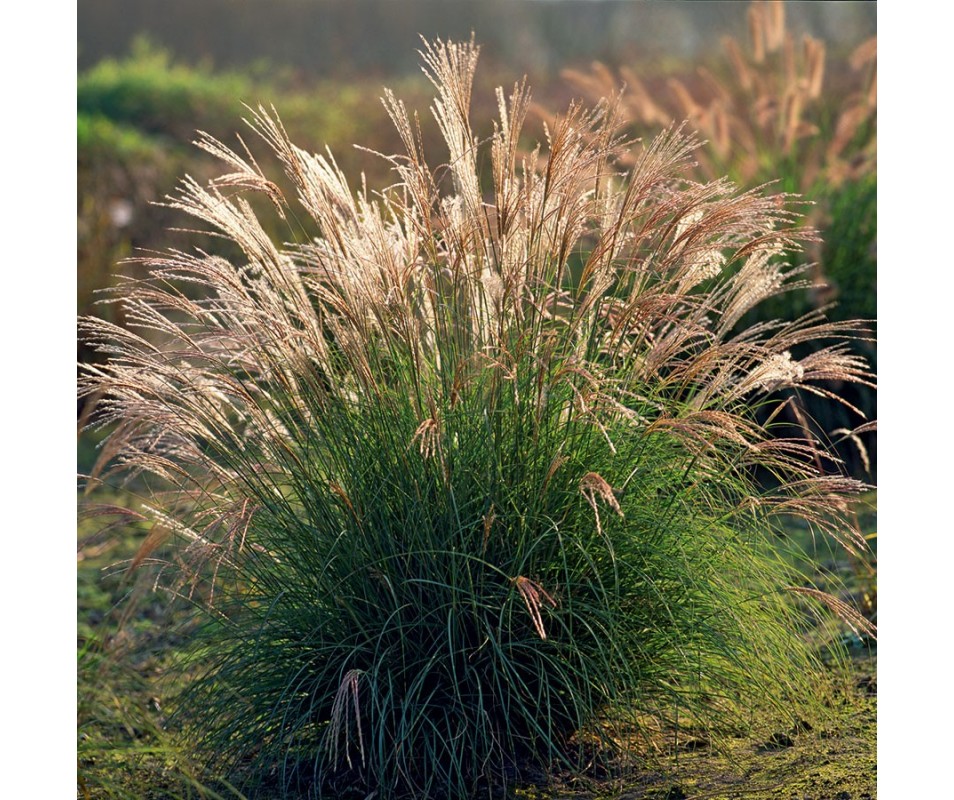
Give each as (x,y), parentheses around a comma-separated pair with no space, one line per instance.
(354,38)
(781,92)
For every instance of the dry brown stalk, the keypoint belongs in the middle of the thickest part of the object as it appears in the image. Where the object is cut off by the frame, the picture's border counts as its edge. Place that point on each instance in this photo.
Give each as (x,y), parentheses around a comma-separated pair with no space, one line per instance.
(532,592)
(857,622)
(347,697)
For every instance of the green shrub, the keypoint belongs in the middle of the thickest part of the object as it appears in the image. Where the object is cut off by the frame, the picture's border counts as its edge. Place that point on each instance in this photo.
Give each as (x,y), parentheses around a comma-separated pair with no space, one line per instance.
(467,483)
(167,101)
(151,93)
(99,135)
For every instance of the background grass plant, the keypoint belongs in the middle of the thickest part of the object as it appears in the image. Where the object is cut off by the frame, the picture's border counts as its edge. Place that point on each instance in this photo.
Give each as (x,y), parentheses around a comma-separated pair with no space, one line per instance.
(465,474)
(776,109)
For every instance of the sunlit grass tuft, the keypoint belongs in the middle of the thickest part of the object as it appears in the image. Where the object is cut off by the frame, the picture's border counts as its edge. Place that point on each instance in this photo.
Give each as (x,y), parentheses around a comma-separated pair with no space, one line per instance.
(467,478)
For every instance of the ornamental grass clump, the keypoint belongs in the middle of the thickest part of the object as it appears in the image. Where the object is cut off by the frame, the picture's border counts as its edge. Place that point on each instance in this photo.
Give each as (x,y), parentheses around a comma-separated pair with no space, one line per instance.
(464,473)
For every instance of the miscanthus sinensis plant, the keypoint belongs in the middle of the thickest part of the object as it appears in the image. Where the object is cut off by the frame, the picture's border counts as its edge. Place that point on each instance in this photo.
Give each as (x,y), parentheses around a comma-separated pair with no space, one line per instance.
(466,477)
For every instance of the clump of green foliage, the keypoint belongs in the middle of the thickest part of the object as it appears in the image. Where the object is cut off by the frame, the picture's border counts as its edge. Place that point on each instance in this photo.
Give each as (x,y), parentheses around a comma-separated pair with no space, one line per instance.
(466,477)
(151,93)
